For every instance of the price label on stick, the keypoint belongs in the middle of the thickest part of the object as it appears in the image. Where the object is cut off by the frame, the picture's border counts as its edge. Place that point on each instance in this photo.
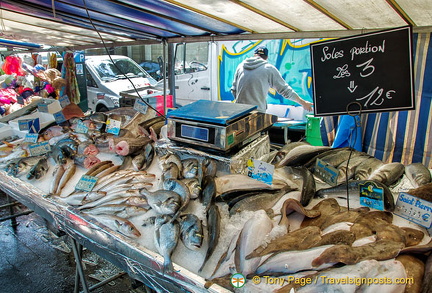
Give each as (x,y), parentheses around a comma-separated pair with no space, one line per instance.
(86,183)
(371,195)
(113,126)
(140,106)
(414,209)
(326,172)
(81,127)
(38,149)
(260,170)
(31,137)
(64,101)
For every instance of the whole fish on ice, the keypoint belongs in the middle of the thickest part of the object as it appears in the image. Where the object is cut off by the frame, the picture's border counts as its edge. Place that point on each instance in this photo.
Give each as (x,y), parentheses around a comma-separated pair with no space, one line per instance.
(166,235)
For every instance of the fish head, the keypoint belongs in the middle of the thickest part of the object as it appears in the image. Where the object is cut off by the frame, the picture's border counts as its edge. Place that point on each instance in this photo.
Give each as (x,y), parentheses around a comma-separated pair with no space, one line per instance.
(193,240)
(170,206)
(127,228)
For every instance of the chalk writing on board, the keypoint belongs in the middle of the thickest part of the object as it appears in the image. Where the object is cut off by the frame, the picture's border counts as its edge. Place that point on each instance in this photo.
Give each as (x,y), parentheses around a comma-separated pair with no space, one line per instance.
(372,70)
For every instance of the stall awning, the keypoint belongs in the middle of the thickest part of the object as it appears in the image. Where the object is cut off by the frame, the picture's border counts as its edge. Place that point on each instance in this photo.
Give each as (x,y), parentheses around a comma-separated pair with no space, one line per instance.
(90,23)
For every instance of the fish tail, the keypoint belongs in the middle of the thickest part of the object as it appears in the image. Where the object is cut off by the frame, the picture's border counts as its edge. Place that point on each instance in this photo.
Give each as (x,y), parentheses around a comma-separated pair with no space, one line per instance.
(168,266)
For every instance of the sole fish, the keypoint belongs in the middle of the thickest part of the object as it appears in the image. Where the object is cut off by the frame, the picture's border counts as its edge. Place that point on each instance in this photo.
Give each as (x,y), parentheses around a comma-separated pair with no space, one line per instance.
(379,250)
(249,240)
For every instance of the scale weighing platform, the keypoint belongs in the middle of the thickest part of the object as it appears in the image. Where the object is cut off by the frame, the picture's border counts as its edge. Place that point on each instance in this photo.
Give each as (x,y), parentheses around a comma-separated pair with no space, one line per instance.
(217,125)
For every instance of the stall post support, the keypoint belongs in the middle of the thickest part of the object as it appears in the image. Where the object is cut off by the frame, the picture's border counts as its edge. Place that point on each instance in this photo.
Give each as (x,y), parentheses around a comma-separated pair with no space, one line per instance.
(79,273)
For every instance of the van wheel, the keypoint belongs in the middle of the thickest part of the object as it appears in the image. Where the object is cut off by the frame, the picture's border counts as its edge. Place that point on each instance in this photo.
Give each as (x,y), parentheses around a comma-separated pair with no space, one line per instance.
(102,109)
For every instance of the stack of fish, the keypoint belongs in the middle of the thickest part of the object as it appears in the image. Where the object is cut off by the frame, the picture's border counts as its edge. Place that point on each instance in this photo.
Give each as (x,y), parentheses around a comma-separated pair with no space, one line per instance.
(296,226)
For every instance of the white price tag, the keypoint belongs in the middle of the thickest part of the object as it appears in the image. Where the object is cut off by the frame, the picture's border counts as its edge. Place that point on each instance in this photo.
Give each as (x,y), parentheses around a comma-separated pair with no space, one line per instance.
(260,170)
(113,126)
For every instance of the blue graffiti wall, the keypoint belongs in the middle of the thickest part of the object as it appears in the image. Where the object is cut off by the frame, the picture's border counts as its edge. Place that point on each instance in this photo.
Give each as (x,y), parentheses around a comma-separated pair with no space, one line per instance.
(290,57)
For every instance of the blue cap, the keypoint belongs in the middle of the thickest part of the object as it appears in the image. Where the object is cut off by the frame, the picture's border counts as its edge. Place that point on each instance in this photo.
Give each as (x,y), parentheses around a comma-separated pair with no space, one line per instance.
(263,51)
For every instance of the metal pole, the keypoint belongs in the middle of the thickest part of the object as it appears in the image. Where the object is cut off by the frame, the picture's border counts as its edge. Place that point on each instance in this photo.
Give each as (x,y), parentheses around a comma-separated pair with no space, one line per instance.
(164,42)
(13,217)
(14,223)
(9,204)
(76,248)
(106,281)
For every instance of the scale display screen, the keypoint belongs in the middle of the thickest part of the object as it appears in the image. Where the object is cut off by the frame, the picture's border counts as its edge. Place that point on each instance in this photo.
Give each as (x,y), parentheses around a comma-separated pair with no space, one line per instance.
(194,132)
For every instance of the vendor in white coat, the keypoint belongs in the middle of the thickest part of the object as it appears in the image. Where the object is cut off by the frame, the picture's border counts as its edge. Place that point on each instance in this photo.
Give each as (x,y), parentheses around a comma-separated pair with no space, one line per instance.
(255,76)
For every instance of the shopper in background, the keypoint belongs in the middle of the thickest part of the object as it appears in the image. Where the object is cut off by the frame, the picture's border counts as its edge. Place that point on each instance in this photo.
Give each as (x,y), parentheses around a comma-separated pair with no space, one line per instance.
(255,76)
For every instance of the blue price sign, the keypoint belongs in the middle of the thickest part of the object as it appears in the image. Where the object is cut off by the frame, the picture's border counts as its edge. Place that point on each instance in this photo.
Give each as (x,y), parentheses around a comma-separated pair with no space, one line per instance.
(38,149)
(371,195)
(64,101)
(140,106)
(86,183)
(59,117)
(31,137)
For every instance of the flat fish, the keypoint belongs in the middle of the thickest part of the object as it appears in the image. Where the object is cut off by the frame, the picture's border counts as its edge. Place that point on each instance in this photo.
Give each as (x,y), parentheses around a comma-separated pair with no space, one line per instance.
(415,269)
(249,240)
(427,278)
(292,205)
(300,239)
(364,270)
(379,250)
(344,216)
(418,174)
(326,209)
(289,262)
(423,192)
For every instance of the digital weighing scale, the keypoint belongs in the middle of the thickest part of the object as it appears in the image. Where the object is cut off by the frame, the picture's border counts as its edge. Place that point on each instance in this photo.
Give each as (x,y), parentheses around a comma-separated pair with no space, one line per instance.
(217,125)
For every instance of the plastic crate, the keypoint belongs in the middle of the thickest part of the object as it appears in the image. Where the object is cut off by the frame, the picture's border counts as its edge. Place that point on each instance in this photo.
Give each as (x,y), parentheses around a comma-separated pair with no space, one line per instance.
(313,132)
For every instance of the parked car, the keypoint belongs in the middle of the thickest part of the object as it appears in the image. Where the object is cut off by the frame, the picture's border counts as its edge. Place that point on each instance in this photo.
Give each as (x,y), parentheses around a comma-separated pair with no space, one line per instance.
(105,80)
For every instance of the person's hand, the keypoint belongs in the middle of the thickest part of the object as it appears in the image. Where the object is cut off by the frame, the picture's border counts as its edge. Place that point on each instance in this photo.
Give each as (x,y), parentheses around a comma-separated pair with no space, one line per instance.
(307,106)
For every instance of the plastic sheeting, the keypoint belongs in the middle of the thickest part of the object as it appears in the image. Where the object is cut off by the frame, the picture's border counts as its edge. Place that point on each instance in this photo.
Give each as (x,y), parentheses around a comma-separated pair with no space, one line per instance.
(73,22)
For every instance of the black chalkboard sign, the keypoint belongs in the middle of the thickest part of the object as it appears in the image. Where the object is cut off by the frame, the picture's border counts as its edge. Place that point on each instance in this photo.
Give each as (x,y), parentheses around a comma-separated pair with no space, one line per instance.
(370,72)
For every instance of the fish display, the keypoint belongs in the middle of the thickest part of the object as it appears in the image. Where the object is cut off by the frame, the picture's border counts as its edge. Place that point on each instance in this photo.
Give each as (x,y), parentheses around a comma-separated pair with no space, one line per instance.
(183,206)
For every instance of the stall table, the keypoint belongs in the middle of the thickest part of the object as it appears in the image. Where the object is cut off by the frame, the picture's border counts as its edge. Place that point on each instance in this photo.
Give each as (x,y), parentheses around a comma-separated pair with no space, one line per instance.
(139,262)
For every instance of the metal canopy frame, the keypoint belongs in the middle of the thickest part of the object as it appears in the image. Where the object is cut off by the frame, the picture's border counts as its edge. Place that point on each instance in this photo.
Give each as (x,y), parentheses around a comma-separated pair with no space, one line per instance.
(80,24)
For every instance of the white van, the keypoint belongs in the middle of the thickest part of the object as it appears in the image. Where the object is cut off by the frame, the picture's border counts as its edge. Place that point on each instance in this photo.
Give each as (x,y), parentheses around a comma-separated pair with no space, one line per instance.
(105,80)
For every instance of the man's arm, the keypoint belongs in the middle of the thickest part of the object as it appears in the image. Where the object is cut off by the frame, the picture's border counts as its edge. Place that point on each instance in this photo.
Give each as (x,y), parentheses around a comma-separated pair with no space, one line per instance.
(282,87)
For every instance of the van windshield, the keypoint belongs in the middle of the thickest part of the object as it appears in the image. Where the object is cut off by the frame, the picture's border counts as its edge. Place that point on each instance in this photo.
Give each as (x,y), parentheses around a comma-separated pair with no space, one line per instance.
(110,72)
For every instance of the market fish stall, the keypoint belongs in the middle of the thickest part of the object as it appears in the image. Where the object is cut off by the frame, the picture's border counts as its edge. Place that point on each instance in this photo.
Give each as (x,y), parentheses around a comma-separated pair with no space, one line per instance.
(187,208)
